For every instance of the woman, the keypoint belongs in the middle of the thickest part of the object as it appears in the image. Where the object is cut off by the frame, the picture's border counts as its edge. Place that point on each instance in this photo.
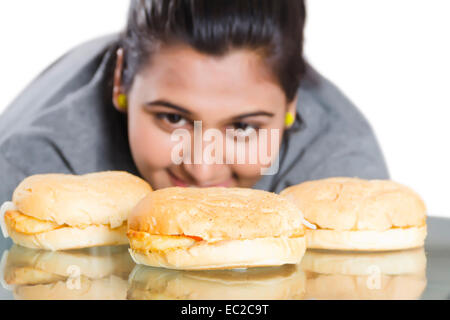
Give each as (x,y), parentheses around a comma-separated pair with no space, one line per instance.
(115,103)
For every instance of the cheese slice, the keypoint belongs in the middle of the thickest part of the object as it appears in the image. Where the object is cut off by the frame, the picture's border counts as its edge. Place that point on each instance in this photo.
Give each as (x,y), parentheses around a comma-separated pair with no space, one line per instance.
(28,225)
(143,241)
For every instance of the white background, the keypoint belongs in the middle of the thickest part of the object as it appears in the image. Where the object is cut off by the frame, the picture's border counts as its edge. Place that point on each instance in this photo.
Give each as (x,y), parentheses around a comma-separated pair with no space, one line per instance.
(392,58)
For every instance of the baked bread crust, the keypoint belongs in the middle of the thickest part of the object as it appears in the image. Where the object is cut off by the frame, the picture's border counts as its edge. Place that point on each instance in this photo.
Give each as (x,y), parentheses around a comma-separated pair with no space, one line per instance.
(350,204)
(97,198)
(216,214)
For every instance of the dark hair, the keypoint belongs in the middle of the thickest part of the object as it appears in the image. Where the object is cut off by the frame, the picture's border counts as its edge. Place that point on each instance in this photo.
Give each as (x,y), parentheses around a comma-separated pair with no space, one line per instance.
(272,27)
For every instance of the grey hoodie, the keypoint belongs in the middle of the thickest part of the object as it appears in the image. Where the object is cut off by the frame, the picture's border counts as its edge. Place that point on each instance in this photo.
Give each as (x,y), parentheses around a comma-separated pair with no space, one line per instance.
(64,122)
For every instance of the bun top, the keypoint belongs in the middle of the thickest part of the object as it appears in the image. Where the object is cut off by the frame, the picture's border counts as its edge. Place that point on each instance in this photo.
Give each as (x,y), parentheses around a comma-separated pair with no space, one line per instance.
(342,203)
(96,198)
(216,213)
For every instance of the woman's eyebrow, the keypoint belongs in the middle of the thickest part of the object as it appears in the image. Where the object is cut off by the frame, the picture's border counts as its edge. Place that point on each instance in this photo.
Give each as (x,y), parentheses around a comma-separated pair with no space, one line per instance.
(168,104)
(253,114)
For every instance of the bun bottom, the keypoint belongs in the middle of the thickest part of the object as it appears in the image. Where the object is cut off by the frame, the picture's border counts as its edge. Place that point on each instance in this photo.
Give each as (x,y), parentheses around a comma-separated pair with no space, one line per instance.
(228,254)
(71,238)
(392,239)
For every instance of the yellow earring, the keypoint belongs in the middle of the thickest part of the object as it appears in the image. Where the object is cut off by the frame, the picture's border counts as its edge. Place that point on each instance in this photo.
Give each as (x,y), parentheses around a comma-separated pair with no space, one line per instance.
(289,119)
(122,101)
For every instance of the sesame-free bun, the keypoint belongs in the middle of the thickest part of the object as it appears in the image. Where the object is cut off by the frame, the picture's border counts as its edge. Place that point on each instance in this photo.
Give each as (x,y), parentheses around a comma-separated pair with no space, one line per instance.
(71,237)
(358,214)
(216,213)
(61,211)
(284,282)
(365,275)
(226,227)
(96,198)
(391,239)
(226,254)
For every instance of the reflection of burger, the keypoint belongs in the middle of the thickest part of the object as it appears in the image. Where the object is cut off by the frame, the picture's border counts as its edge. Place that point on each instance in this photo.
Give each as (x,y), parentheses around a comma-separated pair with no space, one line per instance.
(215,228)
(357,275)
(285,282)
(357,214)
(57,211)
(91,273)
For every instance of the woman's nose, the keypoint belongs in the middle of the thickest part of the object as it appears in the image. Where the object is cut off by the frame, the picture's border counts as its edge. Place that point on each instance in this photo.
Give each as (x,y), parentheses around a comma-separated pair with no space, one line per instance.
(207,162)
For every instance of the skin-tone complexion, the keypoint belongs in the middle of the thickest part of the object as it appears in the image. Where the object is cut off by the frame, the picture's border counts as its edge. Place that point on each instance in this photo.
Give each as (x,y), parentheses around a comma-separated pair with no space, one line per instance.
(181,85)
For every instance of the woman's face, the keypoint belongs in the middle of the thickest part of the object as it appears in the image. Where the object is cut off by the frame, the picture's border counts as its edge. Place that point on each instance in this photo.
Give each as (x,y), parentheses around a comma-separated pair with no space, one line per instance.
(179,86)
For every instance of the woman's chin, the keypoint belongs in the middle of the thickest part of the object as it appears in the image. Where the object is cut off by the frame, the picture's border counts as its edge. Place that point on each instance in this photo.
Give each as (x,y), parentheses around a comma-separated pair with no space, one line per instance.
(166,180)
(176,182)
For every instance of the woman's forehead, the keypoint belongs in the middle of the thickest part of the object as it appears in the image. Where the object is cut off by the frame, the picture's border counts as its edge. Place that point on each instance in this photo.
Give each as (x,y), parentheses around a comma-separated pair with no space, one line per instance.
(239,79)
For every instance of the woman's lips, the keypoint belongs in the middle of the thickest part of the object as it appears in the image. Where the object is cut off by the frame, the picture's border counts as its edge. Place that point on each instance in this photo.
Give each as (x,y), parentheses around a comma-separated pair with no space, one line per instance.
(180,183)
(177,182)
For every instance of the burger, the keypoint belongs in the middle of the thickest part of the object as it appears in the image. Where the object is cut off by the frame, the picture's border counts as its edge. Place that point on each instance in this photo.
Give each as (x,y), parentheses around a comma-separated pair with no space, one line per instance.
(358,214)
(270,283)
(99,273)
(215,228)
(61,211)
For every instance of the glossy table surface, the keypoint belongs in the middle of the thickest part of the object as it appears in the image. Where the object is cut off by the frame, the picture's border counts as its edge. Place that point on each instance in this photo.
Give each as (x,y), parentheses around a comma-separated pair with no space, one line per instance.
(109,273)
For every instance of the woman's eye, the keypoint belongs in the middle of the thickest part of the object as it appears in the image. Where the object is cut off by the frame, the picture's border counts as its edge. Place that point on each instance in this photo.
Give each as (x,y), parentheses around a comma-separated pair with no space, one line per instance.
(172,118)
(244,129)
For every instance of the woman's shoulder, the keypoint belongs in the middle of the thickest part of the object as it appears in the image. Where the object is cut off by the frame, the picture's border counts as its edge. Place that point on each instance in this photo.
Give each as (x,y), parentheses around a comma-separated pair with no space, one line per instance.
(63,120)
(78,57)
(335,140)
(318,95)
